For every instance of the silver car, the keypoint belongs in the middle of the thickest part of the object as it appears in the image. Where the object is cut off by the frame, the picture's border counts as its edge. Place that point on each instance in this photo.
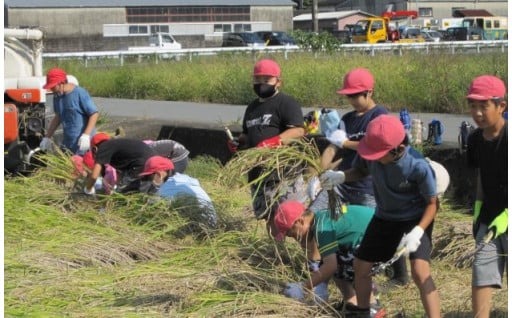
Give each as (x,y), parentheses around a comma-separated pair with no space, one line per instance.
(431,36)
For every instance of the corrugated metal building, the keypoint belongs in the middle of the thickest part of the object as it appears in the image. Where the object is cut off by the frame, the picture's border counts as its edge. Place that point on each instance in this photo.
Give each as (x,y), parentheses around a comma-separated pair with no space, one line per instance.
(83,25)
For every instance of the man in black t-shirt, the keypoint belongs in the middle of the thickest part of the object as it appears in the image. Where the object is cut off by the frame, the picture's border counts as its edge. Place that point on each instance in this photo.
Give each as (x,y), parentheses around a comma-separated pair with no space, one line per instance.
(127,156)
(271,120)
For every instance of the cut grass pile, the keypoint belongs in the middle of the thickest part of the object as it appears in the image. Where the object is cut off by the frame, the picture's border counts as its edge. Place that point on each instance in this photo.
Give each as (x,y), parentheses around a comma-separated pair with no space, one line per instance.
(69,255)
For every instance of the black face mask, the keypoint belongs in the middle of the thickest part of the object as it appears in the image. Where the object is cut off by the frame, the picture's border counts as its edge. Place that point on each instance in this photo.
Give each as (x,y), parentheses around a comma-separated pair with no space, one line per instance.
(264,90)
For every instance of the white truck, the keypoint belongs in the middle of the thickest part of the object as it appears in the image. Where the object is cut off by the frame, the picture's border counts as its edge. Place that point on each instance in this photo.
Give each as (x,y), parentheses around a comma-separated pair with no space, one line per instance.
(158,41)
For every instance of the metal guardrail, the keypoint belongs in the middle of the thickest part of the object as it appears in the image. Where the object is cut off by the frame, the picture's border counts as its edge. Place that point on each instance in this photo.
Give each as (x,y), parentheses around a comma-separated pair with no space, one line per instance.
(453,47)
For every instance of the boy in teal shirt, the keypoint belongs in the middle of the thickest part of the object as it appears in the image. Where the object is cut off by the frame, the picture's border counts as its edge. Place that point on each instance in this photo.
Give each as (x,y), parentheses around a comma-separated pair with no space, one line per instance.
(336,240)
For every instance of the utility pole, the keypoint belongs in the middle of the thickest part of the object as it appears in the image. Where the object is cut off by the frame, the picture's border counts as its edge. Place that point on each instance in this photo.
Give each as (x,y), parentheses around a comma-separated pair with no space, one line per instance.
(314,18)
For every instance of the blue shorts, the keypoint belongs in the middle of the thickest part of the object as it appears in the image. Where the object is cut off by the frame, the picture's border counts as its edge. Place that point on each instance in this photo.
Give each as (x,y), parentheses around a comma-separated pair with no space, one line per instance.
(382,238)
(490,260)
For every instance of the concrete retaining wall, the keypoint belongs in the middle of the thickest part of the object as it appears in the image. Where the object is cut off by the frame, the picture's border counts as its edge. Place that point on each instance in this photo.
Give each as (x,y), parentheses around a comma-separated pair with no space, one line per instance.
(212,142)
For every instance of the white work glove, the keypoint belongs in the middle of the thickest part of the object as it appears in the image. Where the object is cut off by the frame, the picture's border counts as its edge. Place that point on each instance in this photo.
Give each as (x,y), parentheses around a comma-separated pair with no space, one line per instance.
(294,290)
(337,137)
(330,179)
(321,293)
(46,144)
(411,241)
(90,191)
(313,266)
(84,143)
(314,187)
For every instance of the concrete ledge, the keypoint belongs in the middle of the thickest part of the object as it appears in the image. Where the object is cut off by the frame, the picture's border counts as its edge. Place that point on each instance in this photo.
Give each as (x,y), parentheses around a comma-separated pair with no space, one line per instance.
(212,142)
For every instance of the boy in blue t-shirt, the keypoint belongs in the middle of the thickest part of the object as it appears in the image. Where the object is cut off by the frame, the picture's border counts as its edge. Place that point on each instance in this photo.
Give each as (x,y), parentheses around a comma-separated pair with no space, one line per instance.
(358,88)
(336,241)
(405,192)
(74,109)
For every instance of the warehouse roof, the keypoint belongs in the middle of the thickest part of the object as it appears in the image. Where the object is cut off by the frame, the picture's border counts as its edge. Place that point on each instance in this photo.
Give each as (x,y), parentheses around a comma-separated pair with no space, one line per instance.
(138,3)
(471,13)
(330,15)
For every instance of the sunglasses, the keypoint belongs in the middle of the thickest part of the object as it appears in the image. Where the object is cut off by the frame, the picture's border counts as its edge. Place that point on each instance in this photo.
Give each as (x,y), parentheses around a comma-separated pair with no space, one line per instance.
(356,95)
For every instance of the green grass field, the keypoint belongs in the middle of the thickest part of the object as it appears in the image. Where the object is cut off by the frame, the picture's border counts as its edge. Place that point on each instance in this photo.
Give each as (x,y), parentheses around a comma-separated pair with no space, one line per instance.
(433,83)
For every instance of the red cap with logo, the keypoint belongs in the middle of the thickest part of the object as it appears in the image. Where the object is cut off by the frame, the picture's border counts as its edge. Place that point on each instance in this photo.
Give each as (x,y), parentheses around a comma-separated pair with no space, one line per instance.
(486,87)
(54,77)
(285,216)
(267,67)
(356,81)
(155,164)
(99,138)
(383,133)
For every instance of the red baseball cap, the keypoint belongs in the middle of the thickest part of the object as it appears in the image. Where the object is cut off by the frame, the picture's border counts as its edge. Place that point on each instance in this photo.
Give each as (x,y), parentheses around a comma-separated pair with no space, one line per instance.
(89,159)
(356,81)
(156,163)
(54,77)
(267,67)
(486,87)
(383,133)
(286,214)
(99,138)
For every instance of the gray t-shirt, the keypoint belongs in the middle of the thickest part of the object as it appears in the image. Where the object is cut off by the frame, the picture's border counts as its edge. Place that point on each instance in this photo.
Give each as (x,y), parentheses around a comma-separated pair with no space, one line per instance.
(402,188)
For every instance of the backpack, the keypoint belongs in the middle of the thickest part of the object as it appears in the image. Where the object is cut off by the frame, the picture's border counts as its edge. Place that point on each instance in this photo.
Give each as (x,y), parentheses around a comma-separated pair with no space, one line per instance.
(329,121)
(311,122)
(405,118)
(465,130)
(435,130)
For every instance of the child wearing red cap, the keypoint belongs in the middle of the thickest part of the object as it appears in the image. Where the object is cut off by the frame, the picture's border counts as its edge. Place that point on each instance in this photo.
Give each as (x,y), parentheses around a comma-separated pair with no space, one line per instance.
(170,184)
(406,197)
(358,88)
(336,241)
(74,109)
(127,156)
(487,152)
(273,119)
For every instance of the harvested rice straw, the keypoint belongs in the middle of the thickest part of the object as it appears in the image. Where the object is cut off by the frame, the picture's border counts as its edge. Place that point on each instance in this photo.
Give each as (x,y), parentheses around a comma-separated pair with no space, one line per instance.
(284,164)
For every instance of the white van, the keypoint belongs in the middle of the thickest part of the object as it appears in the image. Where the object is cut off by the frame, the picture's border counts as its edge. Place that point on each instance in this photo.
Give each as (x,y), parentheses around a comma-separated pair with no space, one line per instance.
(159,40)
(164,40)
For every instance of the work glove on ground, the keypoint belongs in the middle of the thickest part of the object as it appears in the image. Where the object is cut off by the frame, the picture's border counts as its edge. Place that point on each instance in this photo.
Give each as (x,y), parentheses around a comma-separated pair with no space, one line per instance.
(476,215)
(331,178)
(45,144)
(84,143)
(233,145)
(337,137)
(321,293)
(412,240)
(270,142)
(294,290)
(90,191)
(500,224)
(314,187)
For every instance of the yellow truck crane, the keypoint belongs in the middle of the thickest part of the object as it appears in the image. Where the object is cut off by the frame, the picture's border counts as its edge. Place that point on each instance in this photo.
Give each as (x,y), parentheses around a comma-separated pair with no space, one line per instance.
(380,29)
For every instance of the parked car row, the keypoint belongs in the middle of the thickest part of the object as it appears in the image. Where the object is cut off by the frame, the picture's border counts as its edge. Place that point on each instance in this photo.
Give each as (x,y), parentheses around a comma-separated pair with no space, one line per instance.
(257,39)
